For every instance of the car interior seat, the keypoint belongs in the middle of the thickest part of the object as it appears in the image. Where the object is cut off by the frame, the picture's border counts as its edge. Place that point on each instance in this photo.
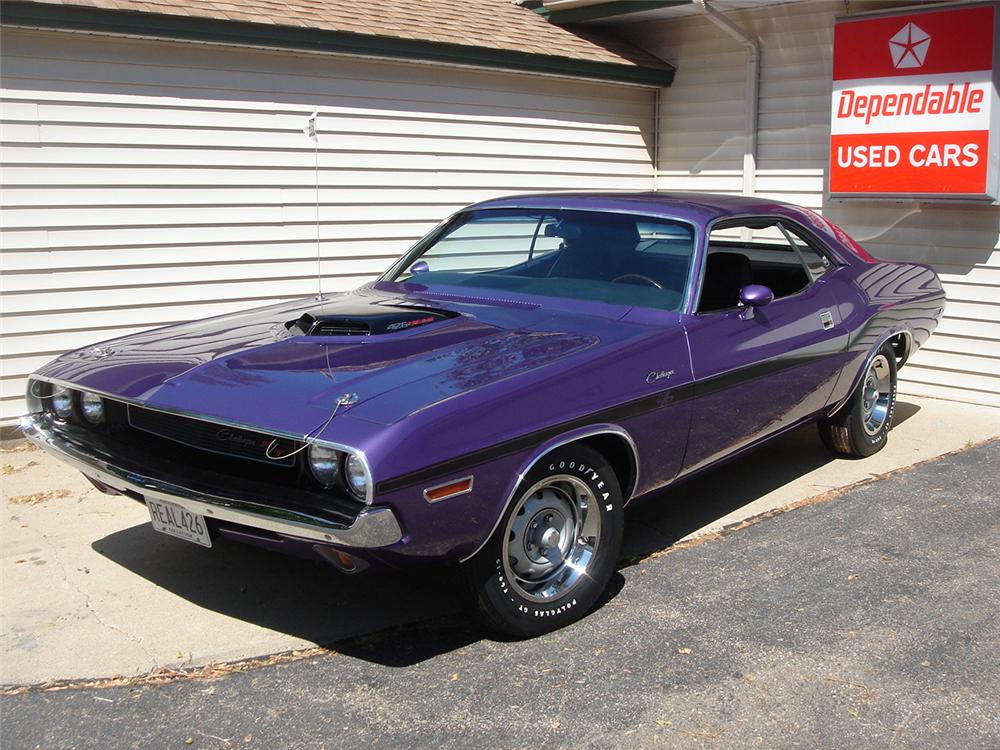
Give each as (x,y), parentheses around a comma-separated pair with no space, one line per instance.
(725,275)
(594,248)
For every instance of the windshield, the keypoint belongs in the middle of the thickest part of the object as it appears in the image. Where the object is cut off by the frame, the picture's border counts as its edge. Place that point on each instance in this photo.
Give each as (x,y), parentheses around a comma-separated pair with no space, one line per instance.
(620,259)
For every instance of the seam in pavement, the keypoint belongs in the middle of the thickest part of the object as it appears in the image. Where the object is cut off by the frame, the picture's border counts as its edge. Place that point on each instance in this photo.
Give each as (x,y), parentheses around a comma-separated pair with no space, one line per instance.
(160,675)
(90,605)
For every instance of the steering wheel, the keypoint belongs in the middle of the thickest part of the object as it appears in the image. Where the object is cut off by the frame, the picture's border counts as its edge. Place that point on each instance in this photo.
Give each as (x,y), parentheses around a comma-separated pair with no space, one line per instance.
(638,277)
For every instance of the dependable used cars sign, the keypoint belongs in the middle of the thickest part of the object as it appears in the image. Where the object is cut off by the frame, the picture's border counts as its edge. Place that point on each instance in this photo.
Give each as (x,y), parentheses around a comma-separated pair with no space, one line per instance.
(915,110)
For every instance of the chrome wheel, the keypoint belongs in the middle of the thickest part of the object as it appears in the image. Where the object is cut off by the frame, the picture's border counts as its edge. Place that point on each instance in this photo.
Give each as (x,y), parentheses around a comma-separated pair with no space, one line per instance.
(876,394)
(551,538)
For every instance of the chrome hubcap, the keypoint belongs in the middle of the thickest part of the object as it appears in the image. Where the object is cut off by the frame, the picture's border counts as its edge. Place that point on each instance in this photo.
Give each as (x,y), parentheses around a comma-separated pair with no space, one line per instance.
(876,394)
(551,538)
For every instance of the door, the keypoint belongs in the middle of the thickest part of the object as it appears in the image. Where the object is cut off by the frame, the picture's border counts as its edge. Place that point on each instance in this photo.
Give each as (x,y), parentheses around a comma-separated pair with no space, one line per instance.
(759,370)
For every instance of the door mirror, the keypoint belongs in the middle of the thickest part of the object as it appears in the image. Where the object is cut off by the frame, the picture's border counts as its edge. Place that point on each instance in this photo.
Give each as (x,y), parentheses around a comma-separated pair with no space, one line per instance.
(420,267)
(753,296)
(756,295)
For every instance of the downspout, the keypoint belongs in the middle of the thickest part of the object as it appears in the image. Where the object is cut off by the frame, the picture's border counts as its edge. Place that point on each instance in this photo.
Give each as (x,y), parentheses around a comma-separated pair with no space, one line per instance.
(656,140)
(752,94)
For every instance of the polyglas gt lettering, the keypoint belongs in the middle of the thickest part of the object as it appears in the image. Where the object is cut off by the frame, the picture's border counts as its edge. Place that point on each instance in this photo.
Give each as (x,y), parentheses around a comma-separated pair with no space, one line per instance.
(919,155)
(931,101)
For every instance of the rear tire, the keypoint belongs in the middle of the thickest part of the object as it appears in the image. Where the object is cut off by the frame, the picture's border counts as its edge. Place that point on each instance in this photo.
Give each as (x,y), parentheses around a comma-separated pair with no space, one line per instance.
(555,549)
(861,427)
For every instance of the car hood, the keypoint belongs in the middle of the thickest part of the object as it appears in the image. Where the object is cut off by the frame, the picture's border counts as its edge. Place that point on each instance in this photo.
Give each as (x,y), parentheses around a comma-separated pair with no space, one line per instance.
(253,369)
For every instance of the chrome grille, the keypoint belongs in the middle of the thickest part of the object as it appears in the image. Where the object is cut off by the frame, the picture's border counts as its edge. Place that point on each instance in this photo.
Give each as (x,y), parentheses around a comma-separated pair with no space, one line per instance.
(213,437)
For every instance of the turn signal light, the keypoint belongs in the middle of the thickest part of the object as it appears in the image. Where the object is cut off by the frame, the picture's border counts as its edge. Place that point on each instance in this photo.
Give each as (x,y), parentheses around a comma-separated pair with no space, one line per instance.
(346,561)
(444,491)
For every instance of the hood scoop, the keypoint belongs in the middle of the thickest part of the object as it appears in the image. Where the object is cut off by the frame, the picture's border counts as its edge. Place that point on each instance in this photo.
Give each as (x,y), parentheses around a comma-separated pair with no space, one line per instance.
(363,320)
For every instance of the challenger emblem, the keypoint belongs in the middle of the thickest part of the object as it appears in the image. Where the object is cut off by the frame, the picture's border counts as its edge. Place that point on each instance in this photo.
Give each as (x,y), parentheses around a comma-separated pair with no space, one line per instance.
(226,435)
(658,375)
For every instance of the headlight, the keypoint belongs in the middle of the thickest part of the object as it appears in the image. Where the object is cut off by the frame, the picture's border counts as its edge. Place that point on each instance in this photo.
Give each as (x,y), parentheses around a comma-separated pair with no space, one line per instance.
(62,402)
(92,407)
(356,476)
(324,463)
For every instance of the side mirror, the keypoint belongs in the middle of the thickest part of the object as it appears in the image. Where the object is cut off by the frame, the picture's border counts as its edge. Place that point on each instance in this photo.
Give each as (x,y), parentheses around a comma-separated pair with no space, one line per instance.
(753,296)
(420,267)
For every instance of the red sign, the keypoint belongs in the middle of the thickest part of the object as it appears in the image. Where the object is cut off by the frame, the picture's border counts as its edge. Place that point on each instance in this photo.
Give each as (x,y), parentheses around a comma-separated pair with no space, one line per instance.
(913,97)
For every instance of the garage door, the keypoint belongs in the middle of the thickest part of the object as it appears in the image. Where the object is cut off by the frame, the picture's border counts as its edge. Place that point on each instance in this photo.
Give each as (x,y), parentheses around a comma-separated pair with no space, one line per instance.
(147,183)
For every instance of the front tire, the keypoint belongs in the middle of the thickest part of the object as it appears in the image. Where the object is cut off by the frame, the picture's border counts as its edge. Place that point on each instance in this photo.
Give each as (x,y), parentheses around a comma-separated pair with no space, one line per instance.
(556,547)
(861,427)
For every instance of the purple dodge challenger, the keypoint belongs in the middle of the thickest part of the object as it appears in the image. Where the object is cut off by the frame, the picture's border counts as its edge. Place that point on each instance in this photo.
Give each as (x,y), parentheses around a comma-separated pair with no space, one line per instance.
(500,394)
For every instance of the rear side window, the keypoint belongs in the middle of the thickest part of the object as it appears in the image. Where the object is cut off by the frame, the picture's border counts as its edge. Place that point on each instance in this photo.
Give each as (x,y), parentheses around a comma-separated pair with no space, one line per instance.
(814,259)
(774,253)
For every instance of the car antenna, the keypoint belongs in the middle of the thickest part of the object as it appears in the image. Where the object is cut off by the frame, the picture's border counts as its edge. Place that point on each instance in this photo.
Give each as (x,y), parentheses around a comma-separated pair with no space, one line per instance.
(311,131)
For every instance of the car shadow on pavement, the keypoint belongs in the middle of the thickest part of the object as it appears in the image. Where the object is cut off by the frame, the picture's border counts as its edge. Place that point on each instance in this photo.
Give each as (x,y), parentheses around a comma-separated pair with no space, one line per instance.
(662,518)
(402,618)
(298,597)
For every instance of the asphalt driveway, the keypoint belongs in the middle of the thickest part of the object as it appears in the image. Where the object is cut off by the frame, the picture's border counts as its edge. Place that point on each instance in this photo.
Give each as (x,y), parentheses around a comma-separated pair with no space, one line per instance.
(870,619)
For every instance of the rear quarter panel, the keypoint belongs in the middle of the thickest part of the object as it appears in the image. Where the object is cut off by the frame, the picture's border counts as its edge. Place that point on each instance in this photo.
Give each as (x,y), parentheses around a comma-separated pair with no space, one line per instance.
(880,300)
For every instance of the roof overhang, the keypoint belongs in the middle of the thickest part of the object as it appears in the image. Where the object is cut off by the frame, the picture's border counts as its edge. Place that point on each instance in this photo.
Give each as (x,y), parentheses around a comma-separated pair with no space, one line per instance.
(56,16)
(561,12)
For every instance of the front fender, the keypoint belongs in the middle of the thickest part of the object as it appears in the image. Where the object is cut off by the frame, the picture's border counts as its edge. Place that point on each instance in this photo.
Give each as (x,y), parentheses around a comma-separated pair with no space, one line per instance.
(528,463)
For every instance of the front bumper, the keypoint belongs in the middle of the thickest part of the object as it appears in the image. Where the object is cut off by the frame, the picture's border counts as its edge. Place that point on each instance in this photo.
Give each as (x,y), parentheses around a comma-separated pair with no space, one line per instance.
(373,527)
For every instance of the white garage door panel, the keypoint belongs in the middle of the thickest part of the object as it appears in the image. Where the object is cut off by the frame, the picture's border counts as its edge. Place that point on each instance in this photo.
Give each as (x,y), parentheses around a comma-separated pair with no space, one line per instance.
(262,140)
(559,160)
(57,219)
(16,285)
(136,295)
(242,251)
(147,316)
(381,178)
(89,126)
(150,183)
(139,236)
(67,107)
(236,196)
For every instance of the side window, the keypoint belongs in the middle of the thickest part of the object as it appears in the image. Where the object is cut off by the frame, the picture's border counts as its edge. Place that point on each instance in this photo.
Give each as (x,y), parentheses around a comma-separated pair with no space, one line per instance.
(755,251)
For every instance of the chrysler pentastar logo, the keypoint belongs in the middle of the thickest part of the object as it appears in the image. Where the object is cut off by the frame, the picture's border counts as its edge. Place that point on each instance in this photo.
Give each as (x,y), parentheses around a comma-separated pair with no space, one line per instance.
(909,46)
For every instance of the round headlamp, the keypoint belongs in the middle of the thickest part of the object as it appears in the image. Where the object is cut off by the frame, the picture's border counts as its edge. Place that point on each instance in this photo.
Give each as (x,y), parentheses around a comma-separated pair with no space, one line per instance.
(92,407)
(356,476)
(62,402)
(324,463)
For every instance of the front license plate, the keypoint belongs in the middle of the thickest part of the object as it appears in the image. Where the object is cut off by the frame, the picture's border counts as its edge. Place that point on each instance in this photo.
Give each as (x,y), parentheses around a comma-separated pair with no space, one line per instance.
(172,519)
